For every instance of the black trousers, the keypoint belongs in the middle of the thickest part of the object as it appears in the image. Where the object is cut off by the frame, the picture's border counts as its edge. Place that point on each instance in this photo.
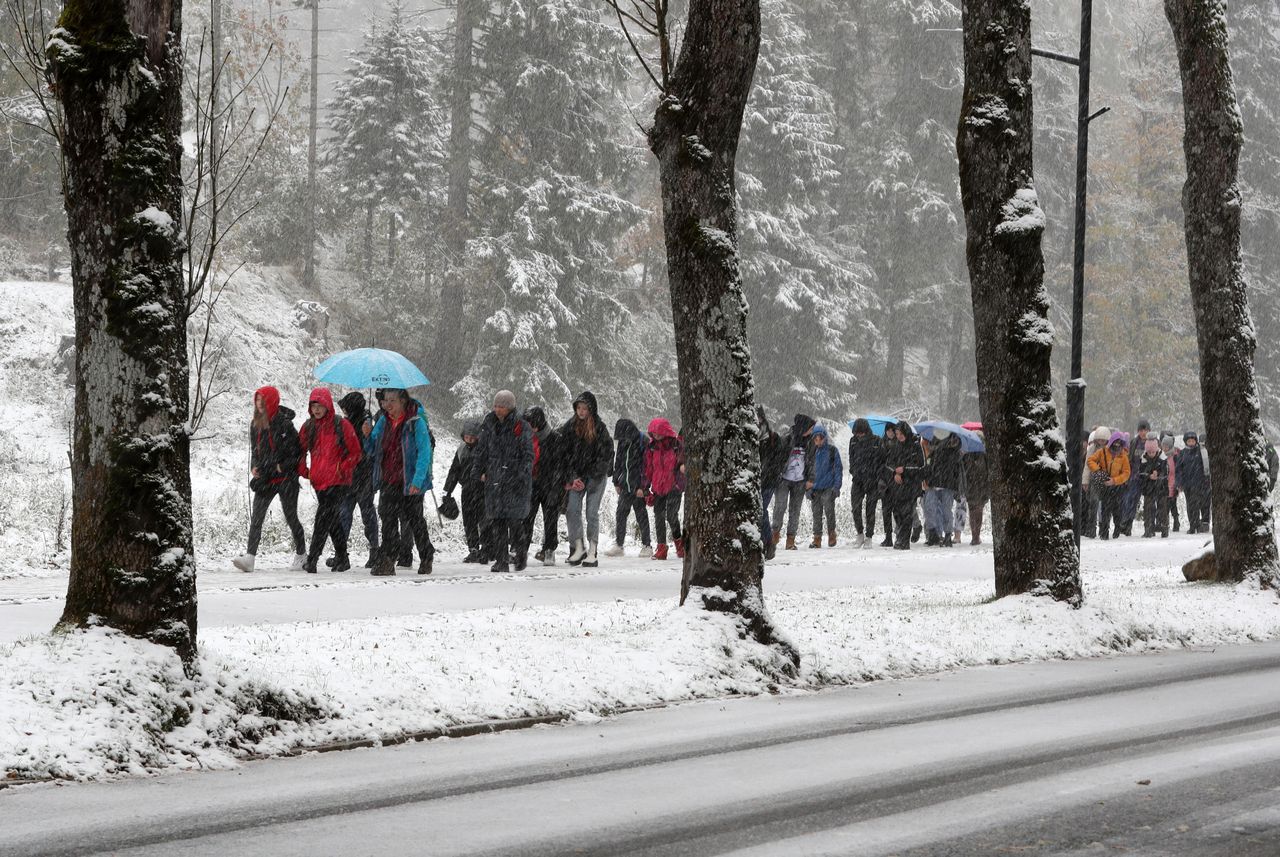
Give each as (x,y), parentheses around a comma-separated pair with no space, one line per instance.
(886,496)
(507,537)
(400,511)
(328,523)
(287,491)
(666,513)
(1112,507)
(904,509)
(1155,511)
(548,499)
(473,515)
(865,498)
(1198,508)
(628,503)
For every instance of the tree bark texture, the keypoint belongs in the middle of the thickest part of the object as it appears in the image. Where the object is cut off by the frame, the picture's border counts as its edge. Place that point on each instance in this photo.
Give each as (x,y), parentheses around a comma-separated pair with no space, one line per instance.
(117,68)
(1030,501)
(448,360)
(695,137)
(1243,529)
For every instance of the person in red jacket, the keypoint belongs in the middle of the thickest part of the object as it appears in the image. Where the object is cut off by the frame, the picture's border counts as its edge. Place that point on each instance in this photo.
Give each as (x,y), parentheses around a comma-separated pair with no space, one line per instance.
(330,443)
(664,480)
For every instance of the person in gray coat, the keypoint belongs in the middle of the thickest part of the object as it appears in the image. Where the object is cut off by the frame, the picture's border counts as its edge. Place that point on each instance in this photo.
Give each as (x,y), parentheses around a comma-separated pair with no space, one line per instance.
(504,462)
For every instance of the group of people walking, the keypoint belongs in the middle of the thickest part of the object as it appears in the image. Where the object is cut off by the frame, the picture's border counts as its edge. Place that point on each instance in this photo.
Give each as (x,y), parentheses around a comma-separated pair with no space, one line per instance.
(899,471)
(510,467)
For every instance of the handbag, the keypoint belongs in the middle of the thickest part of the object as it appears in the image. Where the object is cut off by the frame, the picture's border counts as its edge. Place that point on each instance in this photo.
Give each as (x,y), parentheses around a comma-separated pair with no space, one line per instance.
(449,507)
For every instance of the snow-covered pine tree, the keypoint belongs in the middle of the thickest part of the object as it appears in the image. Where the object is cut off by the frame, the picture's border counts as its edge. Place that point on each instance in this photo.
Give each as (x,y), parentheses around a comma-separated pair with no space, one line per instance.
(117,68)
(386,150)
(552,170)
(804,291)
(1243,526)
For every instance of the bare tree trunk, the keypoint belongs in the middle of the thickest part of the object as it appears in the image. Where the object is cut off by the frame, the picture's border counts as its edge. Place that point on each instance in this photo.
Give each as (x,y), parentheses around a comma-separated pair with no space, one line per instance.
(695,137)
(117,68)
(309,264)
(448,360)
(1243,529)
(368,240)
(1030,502)
(391,239)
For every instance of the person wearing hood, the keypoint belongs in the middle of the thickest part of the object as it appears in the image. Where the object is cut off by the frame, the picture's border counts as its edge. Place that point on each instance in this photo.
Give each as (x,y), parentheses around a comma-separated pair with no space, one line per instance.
(463,472)
(664,483)
(1193,481)
(504,460)
(273,472)
(824,486)
(1091,491)
(402,456)
(866,457)
(548,485)
(773,458)
(628,482)
(904,469)
(1110,470)
(588,454)
(1153,476)
(330,452)
(888,448)
(943,477)
(796,476)
(355,409)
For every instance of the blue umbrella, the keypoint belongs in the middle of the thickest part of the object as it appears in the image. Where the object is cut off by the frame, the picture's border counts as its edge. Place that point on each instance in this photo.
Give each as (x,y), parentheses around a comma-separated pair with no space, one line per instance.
(878,423)
(370,367)
(969,441)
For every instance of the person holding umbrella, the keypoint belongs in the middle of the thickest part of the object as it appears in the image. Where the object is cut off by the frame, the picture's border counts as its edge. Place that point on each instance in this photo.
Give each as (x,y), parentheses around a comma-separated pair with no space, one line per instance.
(504,462)
(402,453)
(904,467)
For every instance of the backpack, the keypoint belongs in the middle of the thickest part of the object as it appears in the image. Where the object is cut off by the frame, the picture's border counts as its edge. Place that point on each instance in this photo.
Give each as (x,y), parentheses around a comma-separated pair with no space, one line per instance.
(309,428)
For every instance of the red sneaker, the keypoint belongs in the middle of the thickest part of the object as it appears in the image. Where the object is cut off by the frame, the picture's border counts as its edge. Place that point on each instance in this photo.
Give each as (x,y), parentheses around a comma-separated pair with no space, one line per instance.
(680,548)
(660,552)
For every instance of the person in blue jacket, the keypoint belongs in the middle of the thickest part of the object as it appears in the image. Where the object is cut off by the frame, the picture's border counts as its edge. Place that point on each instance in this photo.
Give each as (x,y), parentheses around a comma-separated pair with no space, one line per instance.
(402,452)
(825,479)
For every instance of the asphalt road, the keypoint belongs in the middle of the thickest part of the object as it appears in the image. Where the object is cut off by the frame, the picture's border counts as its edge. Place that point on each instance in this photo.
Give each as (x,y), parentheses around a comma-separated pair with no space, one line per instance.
(1175,754)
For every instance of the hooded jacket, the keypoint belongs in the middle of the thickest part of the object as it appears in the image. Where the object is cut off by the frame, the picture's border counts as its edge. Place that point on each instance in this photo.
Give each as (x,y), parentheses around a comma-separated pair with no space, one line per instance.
(662,458)
(462,471)
(357,412)
(800,444)
(628,460)
(1189,469)
(416,448)
(273,451)
(866,456)
(773,452)
(944,464)
(504,457)
(828,469)
(1153,464)
(583,459)
(333,459)
(1111,464)
(908,455)
(548,470)
(1097,440)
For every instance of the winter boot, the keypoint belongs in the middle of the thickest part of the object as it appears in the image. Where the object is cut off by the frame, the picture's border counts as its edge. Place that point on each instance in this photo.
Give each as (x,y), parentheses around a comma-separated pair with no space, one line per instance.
(309,566)
(578,553)
(299,561)
(791,542)
(548,557)
(425,567)
(946,541)
(777,536)
(977,540)
(646,551)
(615,550)
(660,552)
(831,538)
(406,559)
(522,561)
(386,567)
(888,541)
(770,549)
(680,548)
(931,539)
(244,563)
(540,555)
(472,556)
(331,562)
(500,566)
(915,533)
(959,537)
(817,541)
(373,558)
(591,560)
(341,563)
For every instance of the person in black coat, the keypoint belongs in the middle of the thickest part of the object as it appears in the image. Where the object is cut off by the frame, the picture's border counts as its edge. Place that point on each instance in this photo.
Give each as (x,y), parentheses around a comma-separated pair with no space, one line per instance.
(463,472)
(942,484)
(628,481)
(1153,477)
(274,452)
(904,469)
(866,457)
(588,455)
(1192,480)
(977,491)
(773,457)
(356,410)
(504,461)
(548,485)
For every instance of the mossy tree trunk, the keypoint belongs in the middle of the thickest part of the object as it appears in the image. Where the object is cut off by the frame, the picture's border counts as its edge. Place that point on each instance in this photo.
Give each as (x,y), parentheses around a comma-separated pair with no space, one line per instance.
(1243,528)
(695,137)
(116,66)
(1031,520)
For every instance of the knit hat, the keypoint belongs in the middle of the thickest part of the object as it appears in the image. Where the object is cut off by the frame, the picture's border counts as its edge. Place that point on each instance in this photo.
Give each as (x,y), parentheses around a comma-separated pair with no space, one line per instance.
(505,399)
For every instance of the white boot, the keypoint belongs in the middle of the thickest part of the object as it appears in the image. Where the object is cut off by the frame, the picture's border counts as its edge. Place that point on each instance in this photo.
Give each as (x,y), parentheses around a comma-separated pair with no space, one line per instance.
(591,560)
(646,552)
(244,563)
(299,560)
(549,558)
(615,550)
(579,551)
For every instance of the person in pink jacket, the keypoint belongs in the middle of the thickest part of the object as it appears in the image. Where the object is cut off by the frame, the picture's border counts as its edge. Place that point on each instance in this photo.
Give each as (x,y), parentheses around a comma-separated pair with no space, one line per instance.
(664,480)
(330,453)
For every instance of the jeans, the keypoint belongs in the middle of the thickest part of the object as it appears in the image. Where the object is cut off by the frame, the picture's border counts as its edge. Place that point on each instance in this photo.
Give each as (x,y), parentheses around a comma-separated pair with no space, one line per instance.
(789,498)
(288,493)
(398,510)
(666,513)
(865,498)
(938,503)
(328,523)
(628,503)
(589,497)
(823,501)
(368,516)
(548,501)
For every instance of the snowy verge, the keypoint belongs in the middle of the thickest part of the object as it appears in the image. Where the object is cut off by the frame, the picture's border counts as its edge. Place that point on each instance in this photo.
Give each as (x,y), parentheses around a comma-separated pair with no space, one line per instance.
(95,704)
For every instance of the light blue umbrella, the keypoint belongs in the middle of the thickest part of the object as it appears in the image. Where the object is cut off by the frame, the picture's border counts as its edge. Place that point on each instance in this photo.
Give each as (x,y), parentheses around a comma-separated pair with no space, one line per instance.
(878,423)
(969,441)
(370,367)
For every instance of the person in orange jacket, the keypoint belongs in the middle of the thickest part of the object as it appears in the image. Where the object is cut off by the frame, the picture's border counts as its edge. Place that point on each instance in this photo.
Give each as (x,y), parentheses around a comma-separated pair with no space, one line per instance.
(330,452)
(1109,467)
